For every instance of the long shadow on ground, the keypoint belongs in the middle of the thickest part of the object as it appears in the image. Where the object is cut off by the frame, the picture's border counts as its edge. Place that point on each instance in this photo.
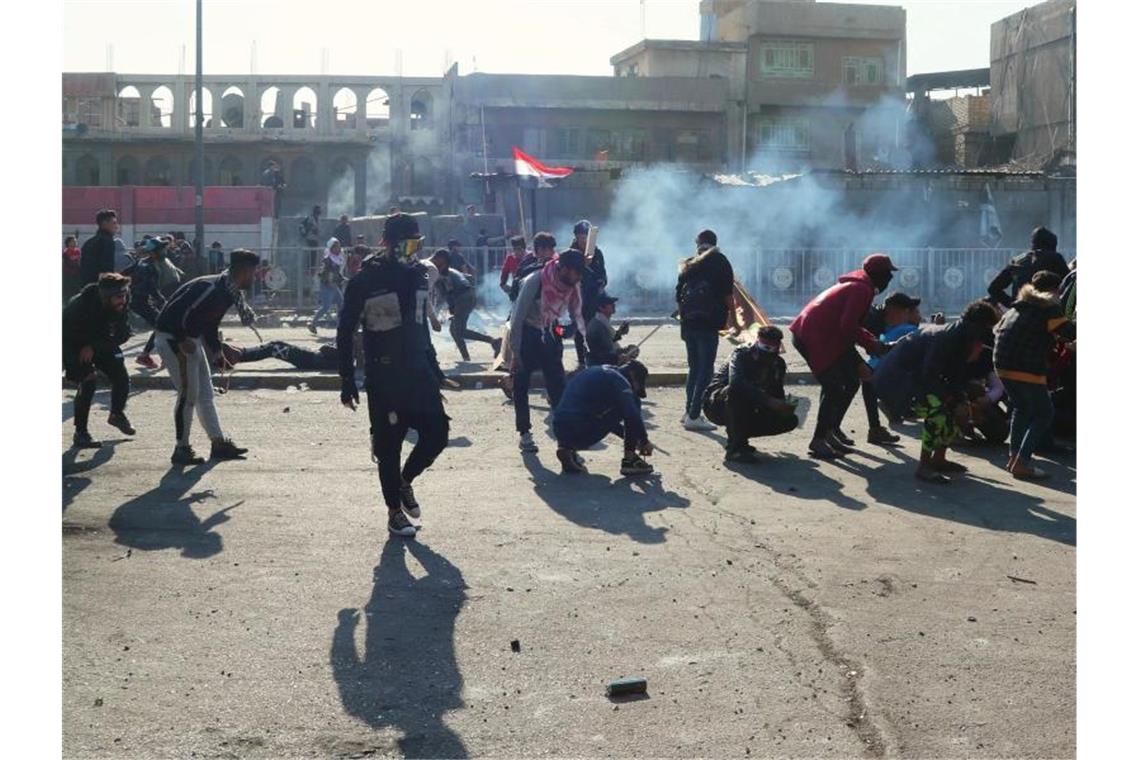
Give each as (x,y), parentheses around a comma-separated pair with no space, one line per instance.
(163,517)
(407,676)
(73,484)
(594,501)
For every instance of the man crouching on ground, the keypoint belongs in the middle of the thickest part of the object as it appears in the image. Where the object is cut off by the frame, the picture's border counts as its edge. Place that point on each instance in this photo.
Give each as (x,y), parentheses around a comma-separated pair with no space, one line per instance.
(598,401)
(747,396)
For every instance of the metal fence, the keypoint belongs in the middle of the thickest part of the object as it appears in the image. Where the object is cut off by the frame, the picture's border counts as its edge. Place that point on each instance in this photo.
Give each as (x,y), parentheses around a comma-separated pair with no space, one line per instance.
(781,280)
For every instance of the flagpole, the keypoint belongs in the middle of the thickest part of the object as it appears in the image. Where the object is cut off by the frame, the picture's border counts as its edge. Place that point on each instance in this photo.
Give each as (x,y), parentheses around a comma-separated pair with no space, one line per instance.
(534,205)
(522,213)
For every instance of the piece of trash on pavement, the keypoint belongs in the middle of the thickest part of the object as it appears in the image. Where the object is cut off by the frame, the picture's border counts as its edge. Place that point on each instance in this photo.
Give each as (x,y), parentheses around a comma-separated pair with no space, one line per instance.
(623,686)
(516,646)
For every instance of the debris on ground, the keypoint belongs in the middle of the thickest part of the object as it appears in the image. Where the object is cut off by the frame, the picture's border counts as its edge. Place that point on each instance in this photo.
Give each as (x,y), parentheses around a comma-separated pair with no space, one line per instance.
(515,645)
(1015,579)
(625,686)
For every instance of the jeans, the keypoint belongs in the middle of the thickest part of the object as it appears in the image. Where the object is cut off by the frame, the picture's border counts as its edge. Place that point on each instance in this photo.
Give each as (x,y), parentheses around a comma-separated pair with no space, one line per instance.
(190,375)
(111,365)
(460,312)
(743,419)
(700,349)
(1031,417)
(330,296)
(871,404)
(388,428)
(539,350)
(838,385)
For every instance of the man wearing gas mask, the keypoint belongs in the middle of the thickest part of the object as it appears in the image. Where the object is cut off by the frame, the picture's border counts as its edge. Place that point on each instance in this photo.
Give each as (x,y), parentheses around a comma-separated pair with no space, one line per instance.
(390,297)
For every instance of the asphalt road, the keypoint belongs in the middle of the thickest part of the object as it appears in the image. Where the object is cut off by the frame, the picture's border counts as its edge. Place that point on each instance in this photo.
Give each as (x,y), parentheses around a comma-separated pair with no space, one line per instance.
(793,608)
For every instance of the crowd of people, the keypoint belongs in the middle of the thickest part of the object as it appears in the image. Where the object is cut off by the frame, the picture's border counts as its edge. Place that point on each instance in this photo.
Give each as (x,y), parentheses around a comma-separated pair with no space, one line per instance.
(1005,369)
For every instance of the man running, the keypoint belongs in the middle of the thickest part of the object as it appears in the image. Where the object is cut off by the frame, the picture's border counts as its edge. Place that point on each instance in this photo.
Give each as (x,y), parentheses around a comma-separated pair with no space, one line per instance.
(599,401)
(460,296)
(187,340)
(94,326)
(390,296)
(146,297)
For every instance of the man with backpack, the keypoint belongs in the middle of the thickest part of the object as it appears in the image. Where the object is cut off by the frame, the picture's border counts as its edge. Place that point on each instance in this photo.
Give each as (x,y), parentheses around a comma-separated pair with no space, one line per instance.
(544,245)
(1042,257)
(704,303)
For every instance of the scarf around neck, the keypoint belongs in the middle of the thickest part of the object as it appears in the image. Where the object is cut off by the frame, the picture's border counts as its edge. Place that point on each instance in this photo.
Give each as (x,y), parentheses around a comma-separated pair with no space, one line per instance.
(557,297)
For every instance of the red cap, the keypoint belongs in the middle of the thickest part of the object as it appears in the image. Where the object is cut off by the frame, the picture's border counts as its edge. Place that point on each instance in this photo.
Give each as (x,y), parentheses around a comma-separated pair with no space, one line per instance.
(878,262)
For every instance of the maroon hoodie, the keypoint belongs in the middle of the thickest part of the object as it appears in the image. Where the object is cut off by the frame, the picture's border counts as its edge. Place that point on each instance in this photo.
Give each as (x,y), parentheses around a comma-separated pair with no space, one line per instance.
(832,323)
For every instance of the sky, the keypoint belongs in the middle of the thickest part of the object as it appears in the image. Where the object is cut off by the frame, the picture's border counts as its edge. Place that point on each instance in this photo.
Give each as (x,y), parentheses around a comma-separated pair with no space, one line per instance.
(421,38)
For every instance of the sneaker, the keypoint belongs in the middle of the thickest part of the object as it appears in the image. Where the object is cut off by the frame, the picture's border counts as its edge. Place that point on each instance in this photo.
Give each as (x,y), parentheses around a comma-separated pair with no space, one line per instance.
(400,525)
(697,423)
(146,360)
(821,449)
(313,328)
(121,422)
(742,456)
(408,501)
(225,449)
(881,436)
(844,438)
(930,475)
(185,455)
(635,465)
(838,446)
(527,444)
(571,463)
(83,440)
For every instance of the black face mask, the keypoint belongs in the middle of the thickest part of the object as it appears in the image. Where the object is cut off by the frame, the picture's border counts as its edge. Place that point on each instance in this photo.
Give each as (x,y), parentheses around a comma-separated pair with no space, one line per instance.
(881,279)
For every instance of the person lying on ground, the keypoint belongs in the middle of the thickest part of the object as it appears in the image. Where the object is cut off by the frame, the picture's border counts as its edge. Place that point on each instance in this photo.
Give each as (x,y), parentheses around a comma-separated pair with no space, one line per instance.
(746,395)
(926,372)
(599,401)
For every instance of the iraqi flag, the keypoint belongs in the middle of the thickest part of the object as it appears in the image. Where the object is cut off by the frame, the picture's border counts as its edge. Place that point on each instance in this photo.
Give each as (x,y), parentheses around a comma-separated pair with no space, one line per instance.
(528,166)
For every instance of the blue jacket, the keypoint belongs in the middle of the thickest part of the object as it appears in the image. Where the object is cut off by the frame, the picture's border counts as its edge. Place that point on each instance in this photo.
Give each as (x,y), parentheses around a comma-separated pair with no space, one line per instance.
(603,396)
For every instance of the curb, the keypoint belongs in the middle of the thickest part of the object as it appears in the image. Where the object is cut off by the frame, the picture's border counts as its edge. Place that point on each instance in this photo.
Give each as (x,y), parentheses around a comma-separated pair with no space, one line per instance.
(328,381)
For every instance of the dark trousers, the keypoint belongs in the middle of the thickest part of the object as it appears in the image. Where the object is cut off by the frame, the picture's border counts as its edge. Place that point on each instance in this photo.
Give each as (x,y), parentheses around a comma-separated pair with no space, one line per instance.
(871,404)
(300,358)
(1031,417)
(585,432)
(700,352)
(388,439)
(743,419)
(111,365)
(460,313)
(540,350)
(149,315)
(838,385)
(588,312)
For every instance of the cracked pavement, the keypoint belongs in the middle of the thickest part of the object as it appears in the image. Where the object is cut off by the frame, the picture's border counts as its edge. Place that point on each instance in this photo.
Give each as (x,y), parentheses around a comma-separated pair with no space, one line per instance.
(792,608)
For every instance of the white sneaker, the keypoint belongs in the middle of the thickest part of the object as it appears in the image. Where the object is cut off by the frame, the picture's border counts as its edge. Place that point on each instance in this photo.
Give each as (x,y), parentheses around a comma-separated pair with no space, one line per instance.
(527,444)
(698,423)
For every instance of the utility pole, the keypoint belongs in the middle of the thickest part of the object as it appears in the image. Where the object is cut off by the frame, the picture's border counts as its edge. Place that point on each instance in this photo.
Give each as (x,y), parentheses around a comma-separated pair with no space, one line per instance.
(199,148)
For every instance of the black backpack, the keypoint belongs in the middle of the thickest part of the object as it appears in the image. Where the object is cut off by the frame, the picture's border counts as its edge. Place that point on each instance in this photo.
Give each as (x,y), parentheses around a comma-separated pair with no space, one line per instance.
(696,302)
(528,267)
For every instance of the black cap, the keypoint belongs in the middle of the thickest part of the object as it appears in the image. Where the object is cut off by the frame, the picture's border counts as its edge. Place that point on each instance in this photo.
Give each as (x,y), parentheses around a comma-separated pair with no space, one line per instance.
(901,301)
(605,299)
(400,227)
(770,333)
(573,259)
(242,257)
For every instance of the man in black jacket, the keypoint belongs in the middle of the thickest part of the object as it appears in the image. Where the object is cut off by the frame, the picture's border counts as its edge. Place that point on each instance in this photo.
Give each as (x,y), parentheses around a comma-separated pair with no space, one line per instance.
(1042,256)
(390,297)
(747,396)
(187,339)
(146,297)
(94,326)
(594,281)
(98,253)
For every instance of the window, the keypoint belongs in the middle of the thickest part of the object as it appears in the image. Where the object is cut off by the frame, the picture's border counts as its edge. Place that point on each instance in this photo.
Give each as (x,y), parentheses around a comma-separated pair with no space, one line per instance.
(862,71)
(787,59)
(785,135)
(598,144)
(566,143)
(691,145)
(633,145)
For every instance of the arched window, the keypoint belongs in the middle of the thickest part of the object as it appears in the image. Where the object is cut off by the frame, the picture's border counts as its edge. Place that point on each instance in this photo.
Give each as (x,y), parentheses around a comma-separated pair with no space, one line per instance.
(230,171)
(376,108)
(129,107)
(304,108)
(161,107)
(158,172)
(422,177)
(192,167)
(207,108)
(344,109)
(127,171)
(232,108)
(302,179)
(341,197)
(271,108)
(421,110)
(87,170)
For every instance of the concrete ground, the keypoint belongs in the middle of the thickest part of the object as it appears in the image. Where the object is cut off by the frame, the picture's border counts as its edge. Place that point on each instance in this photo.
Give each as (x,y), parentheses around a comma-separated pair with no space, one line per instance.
(791,608)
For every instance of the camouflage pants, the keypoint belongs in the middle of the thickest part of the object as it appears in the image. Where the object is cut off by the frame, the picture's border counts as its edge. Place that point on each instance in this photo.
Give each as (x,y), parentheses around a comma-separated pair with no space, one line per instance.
(939,429)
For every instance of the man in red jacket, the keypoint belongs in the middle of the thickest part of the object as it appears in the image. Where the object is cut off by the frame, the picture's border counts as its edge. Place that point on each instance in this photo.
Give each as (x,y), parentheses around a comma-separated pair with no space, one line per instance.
(825,333)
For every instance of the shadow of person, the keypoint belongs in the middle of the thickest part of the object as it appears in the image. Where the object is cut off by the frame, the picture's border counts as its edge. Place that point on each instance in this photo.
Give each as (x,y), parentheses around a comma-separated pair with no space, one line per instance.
(796,476)
(594,501)
(407,677)
(971,499)
(163,518)
(72,485)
